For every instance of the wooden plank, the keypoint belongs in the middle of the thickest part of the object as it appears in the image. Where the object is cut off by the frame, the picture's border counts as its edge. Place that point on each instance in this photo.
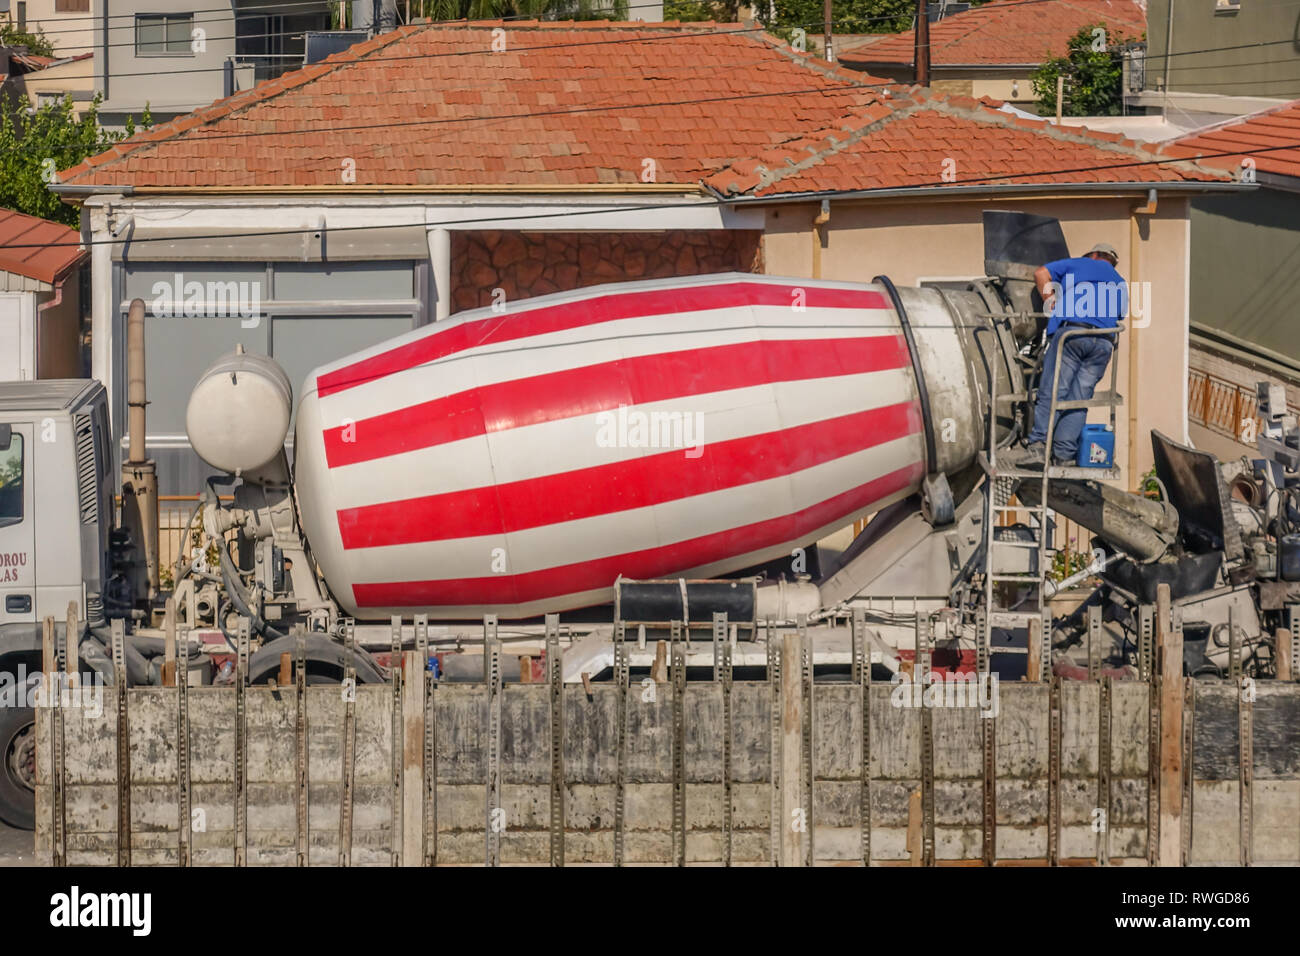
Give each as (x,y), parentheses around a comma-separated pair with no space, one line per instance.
(414,673)
(72,630)
(169,644)
(1169,640)
(1034,660)
(915,845)
(792,814)
(1282,651)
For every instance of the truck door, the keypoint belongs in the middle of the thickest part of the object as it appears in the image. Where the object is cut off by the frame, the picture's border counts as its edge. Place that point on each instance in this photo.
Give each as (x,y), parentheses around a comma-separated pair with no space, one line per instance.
(17,526)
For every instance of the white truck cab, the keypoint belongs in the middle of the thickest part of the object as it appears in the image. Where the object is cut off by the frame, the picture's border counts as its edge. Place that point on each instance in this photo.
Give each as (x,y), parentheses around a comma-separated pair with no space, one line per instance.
(54,545)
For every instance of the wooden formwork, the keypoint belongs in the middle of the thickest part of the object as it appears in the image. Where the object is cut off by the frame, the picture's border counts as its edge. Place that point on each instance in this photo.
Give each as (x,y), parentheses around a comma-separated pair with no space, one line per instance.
(792,770)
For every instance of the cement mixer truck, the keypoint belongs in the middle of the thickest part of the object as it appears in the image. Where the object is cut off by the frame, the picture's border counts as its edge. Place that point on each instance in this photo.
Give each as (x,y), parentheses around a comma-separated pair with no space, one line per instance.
(638,452)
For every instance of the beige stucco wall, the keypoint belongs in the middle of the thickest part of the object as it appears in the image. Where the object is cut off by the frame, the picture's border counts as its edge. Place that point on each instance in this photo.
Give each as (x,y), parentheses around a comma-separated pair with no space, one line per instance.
(59,333)
(77,76)
(914,240)
(1012,84)
(71,33)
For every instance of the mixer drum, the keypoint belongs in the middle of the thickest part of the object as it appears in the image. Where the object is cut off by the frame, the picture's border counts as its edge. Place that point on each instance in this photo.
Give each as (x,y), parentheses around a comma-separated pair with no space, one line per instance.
(519,462)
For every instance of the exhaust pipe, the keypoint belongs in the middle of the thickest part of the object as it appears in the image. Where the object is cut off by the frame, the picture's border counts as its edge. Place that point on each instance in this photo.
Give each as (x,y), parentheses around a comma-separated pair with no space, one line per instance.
(139,475)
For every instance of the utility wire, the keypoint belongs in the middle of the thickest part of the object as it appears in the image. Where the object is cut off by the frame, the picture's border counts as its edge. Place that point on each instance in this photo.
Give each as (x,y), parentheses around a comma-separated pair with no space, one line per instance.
(823,194)
(624,40)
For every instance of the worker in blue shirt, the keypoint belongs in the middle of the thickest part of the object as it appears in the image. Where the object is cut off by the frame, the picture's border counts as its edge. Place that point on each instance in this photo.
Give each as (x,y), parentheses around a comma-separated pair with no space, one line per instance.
(1076,292)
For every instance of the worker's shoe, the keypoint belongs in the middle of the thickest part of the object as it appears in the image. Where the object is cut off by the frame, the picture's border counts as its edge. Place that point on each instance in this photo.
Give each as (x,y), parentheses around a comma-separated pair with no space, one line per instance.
(1032,454)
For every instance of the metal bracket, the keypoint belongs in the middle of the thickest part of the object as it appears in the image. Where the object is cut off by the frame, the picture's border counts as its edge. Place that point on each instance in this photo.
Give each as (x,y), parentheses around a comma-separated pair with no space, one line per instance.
(241,744)
(1246,764)
(862,677)
(1146,632)
(53,684)
(1189,715)
(622,673)
(989,744)
(1153,768)
(301,754)
(722,673)
(118,640)
(555,677)
(678,667)
(1103,770)
(184,784)
(429,837)
(1054,743)
(492,677)
(807,764)
(1045,652)
(348,769)
(395,755)
(1292,623)
(924,659)
(774,727)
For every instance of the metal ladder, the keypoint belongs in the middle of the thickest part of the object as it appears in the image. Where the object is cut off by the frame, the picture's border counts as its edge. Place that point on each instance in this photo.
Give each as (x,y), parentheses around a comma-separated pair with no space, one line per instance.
(1001,552)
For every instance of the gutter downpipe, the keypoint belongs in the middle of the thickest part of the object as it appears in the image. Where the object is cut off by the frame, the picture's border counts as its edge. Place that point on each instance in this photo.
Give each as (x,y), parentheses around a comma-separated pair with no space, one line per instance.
(1135,274)
(139,475)
(440,258)
(104,46)
(1169,45)
(820,236)
(41,309)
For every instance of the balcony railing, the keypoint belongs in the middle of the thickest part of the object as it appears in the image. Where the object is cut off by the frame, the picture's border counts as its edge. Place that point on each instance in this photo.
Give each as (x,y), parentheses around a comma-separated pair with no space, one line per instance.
(1224,407)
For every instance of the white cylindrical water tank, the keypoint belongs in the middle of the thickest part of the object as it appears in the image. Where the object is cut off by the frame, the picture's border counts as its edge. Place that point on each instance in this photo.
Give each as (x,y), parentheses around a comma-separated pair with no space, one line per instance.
(518,462)
(239,412)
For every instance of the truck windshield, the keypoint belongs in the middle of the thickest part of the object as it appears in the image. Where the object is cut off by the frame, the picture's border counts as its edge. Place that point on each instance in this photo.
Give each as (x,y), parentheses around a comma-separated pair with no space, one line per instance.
(11,482)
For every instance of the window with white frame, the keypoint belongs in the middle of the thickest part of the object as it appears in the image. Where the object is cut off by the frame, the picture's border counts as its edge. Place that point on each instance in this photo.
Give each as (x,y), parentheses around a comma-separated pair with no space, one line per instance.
(163,34)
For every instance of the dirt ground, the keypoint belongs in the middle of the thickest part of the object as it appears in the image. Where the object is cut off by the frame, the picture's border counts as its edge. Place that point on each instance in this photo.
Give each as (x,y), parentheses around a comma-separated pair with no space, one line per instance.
(16,847)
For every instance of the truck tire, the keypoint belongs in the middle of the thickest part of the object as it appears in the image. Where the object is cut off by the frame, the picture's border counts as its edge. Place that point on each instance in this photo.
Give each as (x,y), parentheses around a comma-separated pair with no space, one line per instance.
(18,767)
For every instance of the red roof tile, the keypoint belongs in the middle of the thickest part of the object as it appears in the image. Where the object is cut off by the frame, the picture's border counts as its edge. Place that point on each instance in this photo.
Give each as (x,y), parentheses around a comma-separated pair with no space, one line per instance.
(37,248)
(933,140)
(618,94)
(1004,32)
(1277,131)
(735,108)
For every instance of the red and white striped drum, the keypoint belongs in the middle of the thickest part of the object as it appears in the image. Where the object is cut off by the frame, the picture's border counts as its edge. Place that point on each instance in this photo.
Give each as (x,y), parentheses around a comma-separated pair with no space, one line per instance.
(518,462)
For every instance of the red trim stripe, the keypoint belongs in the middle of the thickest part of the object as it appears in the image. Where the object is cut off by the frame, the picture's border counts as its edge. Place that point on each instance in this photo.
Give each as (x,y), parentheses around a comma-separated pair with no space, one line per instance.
(593,388)
(498,590)
(622,485)
(441,342)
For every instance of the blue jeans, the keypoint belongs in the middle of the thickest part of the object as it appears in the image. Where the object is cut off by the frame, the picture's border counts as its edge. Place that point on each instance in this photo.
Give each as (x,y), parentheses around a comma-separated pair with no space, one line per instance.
(1083,363)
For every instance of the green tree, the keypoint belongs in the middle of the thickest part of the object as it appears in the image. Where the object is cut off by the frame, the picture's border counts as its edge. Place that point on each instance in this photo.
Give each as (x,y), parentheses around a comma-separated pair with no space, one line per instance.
(36,43)
(1093,72)
(35,144)
(526,9)
(847,16)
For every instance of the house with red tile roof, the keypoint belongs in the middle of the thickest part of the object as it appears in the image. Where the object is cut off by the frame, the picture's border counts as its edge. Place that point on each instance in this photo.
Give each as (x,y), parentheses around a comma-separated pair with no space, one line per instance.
(439,168)
(40,298)
(1245,270)
(994,49)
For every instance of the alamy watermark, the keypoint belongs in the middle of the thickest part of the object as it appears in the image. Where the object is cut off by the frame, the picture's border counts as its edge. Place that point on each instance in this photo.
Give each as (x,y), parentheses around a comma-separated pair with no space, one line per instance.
(1090,300)
(212,299)
(25,689)
(967,689)
(632,428)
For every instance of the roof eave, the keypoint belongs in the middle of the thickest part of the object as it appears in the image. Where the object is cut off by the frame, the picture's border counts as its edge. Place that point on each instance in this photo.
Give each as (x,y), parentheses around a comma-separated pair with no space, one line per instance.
(73,191)
(996,189)
(941,66)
